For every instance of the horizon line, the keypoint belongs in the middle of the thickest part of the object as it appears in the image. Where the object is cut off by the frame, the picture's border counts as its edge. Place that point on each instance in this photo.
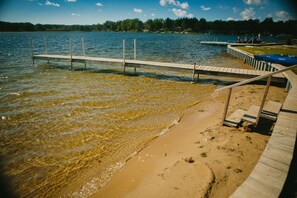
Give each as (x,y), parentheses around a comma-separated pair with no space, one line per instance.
(144,21)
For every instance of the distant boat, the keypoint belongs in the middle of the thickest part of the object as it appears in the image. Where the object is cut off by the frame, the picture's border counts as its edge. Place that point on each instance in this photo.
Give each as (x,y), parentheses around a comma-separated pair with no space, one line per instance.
(286,60)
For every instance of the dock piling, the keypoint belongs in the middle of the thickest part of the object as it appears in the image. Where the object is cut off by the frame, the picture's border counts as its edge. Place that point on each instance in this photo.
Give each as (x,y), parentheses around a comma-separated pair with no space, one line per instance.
(124,56)
(194,71)
(83,49)
(83,46)
(45,47)
(134,53)
(71,64)
(32,53)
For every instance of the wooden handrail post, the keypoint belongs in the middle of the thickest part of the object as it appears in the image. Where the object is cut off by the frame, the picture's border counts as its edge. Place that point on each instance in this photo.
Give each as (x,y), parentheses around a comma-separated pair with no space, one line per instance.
(263,100)
(71,52)
(226,105)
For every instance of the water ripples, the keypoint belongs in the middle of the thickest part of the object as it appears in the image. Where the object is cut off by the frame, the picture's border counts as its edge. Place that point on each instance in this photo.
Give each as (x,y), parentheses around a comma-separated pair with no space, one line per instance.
(65,133)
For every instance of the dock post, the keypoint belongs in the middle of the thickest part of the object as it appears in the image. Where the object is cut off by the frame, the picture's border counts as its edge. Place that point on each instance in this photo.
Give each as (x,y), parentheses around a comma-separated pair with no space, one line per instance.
(45,47)
(124,58)
(263,100)
(134,53)
(71,64)
(83,46)
(32,54)
(226,106)
(194,71)
(83,49)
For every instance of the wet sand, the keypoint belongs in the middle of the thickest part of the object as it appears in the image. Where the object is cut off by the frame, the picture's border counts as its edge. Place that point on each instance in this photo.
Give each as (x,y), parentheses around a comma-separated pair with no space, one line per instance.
(197,157)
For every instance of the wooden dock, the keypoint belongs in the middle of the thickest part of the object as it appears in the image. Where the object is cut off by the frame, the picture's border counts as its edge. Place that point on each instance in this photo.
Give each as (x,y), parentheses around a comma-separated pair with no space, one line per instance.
(223,43)
(195,69)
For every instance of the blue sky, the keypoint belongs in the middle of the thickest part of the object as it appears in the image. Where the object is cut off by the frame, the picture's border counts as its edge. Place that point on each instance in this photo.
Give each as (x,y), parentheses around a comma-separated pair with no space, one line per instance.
(98,11)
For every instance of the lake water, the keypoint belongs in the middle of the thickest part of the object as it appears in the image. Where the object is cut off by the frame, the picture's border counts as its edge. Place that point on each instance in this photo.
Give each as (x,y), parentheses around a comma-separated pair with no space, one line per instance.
(65,133)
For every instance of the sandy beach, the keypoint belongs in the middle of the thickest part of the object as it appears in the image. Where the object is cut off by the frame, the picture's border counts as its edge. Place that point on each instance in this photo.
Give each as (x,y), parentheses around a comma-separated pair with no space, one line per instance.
(197,157)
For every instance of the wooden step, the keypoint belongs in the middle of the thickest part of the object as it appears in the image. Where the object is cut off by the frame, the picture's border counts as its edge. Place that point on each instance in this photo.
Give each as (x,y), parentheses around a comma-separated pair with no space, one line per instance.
(272,108)
(251,114)
(235,118)
(270,111)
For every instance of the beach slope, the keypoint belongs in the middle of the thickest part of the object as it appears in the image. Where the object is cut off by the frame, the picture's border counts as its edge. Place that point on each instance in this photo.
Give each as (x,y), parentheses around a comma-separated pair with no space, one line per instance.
(197,157)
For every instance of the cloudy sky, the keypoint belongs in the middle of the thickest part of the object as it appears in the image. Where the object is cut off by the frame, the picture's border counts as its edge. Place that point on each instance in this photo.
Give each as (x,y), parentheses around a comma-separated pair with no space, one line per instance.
(98,11)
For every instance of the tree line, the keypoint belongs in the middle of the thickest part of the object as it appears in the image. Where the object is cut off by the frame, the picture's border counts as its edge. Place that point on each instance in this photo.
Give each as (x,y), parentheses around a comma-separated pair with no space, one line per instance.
(180,25)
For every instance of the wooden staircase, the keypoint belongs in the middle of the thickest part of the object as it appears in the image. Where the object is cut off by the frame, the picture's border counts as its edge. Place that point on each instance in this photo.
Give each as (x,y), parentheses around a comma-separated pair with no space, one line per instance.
(270,112)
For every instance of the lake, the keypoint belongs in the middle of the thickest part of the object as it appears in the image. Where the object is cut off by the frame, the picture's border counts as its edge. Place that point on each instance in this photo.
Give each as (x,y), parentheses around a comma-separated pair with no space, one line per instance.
(65,133)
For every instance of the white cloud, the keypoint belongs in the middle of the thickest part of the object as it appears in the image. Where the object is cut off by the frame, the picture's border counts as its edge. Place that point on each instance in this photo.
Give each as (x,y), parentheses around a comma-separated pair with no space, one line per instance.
(39,4)
(252,2)
(137,10)
(248,13)
(235,9)
(230,19)
(282,15)
(205,8)
(256,2)
(153,14)
(48,3)
(74,14)
(269,15)
(182,13)
(99,4)
(183,5)
(163,2)
(71,1)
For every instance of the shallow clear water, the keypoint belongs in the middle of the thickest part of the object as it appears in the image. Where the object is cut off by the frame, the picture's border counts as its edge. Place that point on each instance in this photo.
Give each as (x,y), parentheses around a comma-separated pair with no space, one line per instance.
(64,133)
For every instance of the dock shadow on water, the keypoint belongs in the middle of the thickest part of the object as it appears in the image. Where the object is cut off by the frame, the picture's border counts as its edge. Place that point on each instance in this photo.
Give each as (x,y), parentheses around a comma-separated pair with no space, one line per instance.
(149,73)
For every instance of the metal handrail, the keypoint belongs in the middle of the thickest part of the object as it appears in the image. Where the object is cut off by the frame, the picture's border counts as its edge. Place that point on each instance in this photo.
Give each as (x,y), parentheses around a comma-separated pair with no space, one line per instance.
(268,76)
